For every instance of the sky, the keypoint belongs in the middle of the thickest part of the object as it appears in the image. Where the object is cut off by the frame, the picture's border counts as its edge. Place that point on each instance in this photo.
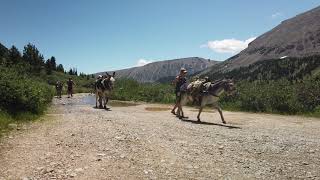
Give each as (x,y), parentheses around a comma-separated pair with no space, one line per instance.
(101,35)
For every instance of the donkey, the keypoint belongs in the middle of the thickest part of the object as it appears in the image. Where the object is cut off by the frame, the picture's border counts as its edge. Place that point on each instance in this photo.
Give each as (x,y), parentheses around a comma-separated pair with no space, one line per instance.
(103,88)
(211,95)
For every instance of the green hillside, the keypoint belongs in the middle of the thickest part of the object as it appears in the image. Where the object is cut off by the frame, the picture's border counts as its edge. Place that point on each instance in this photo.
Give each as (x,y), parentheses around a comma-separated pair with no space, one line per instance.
(291,69)
(290,85)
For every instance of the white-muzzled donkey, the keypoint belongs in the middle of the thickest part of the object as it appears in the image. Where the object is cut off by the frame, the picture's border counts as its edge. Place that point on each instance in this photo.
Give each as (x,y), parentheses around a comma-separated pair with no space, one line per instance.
(103,88)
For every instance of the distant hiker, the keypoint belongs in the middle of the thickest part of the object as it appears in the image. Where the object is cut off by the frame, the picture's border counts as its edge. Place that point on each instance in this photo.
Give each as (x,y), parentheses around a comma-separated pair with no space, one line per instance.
(59,89)
(180,87)
(70,85)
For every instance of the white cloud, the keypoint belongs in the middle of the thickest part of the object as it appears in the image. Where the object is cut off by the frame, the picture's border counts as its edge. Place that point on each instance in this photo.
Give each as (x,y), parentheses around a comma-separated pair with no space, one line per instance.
(276,15)
(142,62)
(228,45)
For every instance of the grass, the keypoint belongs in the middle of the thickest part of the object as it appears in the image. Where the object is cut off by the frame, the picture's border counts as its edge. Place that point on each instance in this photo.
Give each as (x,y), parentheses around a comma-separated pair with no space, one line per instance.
(6,119)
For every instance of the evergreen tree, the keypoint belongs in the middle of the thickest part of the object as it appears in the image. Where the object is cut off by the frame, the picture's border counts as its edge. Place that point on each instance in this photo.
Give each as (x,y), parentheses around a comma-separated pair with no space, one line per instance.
(70,71)
(75,72)
(14,56)
(32,56)
(3,54)
(60,68)
(48,66)
(53,63)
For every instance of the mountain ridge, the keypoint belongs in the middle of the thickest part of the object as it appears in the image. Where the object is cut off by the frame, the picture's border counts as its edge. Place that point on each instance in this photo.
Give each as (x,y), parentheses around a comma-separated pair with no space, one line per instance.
(295,37)
(160,70)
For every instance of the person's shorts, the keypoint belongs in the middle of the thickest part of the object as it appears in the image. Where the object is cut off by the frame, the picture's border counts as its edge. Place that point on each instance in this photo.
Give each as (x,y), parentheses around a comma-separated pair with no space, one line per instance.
(178,96)
(70,89)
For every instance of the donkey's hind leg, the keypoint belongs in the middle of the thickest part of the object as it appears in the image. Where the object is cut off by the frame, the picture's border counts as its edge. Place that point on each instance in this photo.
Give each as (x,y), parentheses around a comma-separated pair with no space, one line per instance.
(200,110)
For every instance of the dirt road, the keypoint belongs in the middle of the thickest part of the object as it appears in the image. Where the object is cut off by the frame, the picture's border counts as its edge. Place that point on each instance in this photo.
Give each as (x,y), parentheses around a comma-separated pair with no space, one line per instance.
(76,141)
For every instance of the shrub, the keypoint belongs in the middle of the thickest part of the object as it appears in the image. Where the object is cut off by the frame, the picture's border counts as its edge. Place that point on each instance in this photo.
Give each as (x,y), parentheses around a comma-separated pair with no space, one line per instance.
(131,90)
(19,93)
(281,96)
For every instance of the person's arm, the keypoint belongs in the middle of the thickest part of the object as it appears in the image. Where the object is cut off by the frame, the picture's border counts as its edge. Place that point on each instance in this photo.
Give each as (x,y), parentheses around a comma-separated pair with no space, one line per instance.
(174,82)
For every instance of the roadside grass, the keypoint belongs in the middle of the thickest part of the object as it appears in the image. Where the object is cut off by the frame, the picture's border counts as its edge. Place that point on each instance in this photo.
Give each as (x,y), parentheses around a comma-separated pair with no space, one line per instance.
(5,120)
(17,119)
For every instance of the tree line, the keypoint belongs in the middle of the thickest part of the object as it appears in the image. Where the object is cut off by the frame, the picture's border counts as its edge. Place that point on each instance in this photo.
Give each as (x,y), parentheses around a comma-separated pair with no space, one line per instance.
(32,61)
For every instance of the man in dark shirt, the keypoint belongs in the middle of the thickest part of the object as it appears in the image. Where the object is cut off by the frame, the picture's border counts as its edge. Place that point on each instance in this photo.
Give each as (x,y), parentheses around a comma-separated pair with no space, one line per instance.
(180,81)
(70,85)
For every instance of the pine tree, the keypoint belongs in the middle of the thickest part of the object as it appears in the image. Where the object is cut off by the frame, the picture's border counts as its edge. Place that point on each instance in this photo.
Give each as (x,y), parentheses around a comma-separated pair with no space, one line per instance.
(3,54)
(75,72)
(70,71)
(60,68)
(48,66)
(14,56)
(53,63)
(32,56)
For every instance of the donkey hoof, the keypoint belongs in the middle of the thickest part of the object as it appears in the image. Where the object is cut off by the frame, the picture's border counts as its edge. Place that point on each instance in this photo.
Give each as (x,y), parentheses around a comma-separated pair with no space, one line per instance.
(224,122)
(199,120)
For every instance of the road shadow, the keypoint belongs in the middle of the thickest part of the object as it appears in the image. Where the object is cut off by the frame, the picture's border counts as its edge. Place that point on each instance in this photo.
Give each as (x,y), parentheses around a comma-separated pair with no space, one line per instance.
(107,109)
(209,123)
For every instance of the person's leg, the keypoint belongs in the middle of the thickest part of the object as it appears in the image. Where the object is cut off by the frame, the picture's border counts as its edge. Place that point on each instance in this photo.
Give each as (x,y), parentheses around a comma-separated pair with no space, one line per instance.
(174,108)
(179,111)
(182,101)
(175,105)
(181,114)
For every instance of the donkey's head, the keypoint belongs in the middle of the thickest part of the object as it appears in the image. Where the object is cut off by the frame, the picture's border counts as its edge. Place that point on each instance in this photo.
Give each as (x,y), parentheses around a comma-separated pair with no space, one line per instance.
(228,86)
(109,81)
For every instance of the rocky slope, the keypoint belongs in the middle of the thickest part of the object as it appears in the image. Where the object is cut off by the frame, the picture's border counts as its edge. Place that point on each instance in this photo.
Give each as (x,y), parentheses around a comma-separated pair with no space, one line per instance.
(295,37)
(161,70)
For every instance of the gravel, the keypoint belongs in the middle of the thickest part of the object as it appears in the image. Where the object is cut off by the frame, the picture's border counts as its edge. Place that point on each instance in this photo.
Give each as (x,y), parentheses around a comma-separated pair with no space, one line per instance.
(77,141)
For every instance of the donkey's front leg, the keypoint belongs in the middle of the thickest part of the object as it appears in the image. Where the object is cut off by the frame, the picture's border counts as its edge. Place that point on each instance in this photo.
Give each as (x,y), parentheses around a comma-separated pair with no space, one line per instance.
(106,99)
(100,101)
(200,110)
(97,100)
(221,115)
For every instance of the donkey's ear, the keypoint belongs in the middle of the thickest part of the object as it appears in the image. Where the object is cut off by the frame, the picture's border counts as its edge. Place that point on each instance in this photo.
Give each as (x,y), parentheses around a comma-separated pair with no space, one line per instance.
(107,74)
(113,74)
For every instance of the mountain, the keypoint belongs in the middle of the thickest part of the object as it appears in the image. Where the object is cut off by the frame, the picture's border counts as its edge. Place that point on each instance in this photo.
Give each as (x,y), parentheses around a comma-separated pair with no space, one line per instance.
(295,37)
(162,71)
(291,68)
